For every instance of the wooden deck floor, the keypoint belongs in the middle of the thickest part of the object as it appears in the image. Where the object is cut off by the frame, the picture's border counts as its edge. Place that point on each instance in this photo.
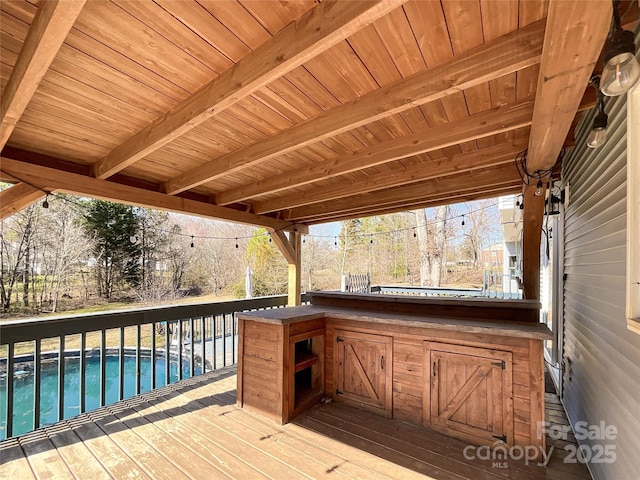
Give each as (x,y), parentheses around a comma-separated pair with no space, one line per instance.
(194,430)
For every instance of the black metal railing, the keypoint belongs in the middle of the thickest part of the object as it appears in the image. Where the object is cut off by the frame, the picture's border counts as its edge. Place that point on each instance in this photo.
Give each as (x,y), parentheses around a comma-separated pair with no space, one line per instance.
(43,380)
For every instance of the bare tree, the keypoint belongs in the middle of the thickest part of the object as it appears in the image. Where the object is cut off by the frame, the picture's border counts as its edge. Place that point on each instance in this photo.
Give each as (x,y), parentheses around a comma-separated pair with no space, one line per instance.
(437,250)
(61,250)
(481,225)
(15,246)
(423,244)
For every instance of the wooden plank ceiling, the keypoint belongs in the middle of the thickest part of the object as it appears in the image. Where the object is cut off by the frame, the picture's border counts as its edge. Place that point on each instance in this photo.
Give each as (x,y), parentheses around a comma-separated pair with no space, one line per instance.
(274,112)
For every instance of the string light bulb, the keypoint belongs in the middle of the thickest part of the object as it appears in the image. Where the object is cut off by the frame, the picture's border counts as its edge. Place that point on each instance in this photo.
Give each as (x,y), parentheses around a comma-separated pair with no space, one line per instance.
(538,191)
(463,219)
(237,243)
(335,241)
(598,134)
(45,204)
(621,69)
(415,234)
(192,244)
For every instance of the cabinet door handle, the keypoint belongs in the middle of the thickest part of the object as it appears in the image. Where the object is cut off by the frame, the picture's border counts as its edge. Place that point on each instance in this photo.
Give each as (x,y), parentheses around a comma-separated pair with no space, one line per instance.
(382,362)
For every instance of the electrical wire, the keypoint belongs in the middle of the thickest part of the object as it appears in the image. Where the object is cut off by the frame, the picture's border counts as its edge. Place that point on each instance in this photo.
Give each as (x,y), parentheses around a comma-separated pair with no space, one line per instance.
(82,207)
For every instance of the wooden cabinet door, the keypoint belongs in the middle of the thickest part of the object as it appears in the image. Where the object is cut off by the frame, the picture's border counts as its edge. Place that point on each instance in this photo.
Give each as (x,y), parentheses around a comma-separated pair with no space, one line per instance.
(362,366)
(470,394)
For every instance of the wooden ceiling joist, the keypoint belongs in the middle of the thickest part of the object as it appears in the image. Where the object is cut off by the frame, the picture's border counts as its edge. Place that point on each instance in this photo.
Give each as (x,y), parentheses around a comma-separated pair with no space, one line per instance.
(575,34)
(18,197)
(506,54)
(315,32)
(472,182)
(48,179)
(50,27)
(468,161)
(480,125)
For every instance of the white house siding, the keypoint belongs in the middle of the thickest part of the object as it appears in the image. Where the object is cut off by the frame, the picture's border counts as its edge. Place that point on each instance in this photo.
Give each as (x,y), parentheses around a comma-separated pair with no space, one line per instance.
(603,356)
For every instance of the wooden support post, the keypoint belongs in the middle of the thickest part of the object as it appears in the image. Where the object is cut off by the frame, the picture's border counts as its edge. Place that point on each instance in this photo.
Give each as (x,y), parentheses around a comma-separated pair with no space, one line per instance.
(531,237)
(295,268)
(291,248)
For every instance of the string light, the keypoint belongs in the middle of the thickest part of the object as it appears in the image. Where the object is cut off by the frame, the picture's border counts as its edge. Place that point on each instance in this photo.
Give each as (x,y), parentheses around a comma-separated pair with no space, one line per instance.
(538,191)
(463,219)
(82,206)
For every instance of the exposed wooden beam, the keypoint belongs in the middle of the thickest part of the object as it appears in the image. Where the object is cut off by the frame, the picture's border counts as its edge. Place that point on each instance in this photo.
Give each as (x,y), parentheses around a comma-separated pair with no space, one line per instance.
(576,31)
(50,179)
(484,124)
(507,54)
(50,26)
(532,219)
(466,182)
(402,175)
(315,32)
(283,244)
(18,197)
(446,199)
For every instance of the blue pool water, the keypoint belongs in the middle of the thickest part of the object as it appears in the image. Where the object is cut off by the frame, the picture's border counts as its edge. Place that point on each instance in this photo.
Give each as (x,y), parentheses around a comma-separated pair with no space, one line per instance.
(24,387)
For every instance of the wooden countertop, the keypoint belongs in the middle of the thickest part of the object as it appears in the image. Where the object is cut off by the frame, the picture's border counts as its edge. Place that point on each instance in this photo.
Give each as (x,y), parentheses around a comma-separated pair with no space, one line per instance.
(289,315)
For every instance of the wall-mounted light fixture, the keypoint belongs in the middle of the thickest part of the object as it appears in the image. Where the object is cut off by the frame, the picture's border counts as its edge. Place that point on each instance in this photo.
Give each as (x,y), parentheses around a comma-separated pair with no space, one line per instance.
(621,69)
(598,134)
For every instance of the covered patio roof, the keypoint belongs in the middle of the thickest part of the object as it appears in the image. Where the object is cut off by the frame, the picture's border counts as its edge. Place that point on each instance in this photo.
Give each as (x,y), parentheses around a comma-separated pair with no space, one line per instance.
(278,113)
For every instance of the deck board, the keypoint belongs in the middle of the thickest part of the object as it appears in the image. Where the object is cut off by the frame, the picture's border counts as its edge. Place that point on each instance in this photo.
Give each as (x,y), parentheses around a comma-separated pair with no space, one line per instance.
(194,429)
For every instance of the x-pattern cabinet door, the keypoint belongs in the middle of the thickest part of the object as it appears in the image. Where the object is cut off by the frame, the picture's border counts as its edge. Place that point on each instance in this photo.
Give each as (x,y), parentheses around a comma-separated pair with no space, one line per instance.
(470,392)
(363,365)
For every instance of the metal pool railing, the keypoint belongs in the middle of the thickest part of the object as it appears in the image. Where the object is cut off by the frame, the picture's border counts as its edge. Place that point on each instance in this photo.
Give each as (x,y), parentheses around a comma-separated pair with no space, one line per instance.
(181,340)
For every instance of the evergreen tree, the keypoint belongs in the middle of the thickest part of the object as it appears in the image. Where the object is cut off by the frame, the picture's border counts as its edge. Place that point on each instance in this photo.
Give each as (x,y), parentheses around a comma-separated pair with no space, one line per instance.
(116,252)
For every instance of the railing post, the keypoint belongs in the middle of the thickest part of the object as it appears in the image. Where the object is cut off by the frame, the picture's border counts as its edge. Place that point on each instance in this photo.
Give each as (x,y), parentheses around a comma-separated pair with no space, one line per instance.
(214,335)
(137,359)
(192,359)
(167,356)
(121,365)
(153,356)
(83,372)
(203,339)
(9,408)
(37,366)
(103,367)
(61,365)
(179,350)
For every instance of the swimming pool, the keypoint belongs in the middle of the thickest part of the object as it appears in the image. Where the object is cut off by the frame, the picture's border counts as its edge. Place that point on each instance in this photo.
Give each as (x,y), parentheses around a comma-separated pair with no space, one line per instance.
(24,386)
